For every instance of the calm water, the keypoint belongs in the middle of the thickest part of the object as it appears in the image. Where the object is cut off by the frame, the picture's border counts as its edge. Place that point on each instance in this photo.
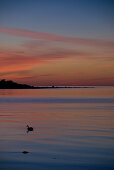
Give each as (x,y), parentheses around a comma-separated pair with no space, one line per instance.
(73,129)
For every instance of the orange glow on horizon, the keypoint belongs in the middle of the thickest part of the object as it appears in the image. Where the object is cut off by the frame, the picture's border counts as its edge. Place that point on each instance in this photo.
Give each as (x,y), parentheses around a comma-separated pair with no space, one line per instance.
(41,62)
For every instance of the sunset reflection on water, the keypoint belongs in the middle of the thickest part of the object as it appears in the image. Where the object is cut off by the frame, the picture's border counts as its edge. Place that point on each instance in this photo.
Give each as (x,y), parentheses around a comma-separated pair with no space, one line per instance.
(64,133)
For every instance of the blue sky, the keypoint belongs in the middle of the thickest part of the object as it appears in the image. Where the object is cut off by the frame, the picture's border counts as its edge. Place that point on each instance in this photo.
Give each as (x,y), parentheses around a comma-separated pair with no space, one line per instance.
(83,18)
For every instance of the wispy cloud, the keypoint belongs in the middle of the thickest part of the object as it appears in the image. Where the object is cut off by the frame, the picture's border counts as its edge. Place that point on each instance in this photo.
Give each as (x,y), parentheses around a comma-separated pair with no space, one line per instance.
(56,38)
(36,44)
(20,72)
(16,63)
(11,60)
(25,62)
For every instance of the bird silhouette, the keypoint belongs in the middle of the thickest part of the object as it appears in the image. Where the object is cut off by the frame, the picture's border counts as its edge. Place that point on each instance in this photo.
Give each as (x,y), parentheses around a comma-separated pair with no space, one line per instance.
(29,128)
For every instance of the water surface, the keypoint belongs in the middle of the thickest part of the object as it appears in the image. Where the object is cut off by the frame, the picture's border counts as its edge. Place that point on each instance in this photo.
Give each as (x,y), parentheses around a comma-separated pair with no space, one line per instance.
(73,129)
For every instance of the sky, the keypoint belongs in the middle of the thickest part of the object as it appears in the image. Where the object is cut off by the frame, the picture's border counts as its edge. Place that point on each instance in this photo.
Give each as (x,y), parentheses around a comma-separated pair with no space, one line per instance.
(57,42)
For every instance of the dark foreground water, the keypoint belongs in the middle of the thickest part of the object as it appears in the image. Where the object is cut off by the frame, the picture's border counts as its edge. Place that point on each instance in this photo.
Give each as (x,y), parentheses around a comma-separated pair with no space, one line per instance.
(73,129)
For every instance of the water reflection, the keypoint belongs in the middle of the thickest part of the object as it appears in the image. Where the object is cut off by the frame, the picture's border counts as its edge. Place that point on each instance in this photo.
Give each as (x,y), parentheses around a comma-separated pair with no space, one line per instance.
(75,134)
(81,92)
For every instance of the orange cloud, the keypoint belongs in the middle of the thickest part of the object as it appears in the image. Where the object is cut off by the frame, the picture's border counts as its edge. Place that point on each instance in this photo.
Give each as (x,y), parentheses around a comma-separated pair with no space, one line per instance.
(13,57)
(24,63)
(19,60)
(56,38)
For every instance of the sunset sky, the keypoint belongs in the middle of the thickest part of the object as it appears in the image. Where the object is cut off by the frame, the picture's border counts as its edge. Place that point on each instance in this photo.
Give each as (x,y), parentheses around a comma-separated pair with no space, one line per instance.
(57,42)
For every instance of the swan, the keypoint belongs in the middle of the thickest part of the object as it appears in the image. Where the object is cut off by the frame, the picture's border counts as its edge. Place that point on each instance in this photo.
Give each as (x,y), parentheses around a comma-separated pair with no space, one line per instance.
(29,128)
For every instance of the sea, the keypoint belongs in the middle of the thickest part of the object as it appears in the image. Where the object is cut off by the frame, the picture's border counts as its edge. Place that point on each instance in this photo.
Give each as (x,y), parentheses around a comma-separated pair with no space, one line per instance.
(73,129)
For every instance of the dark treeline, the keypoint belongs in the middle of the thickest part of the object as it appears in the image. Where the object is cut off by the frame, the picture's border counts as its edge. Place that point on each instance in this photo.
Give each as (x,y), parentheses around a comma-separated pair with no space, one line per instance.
(9,84)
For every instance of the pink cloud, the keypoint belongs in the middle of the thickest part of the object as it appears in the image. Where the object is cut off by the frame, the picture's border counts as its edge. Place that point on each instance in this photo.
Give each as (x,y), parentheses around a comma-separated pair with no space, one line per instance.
(36,44)
(12,59)
(56,38)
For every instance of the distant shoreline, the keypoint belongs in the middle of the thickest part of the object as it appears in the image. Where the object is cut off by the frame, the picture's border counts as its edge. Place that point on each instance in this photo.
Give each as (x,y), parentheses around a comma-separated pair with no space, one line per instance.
(57,87)
(62,87)
(9,84)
